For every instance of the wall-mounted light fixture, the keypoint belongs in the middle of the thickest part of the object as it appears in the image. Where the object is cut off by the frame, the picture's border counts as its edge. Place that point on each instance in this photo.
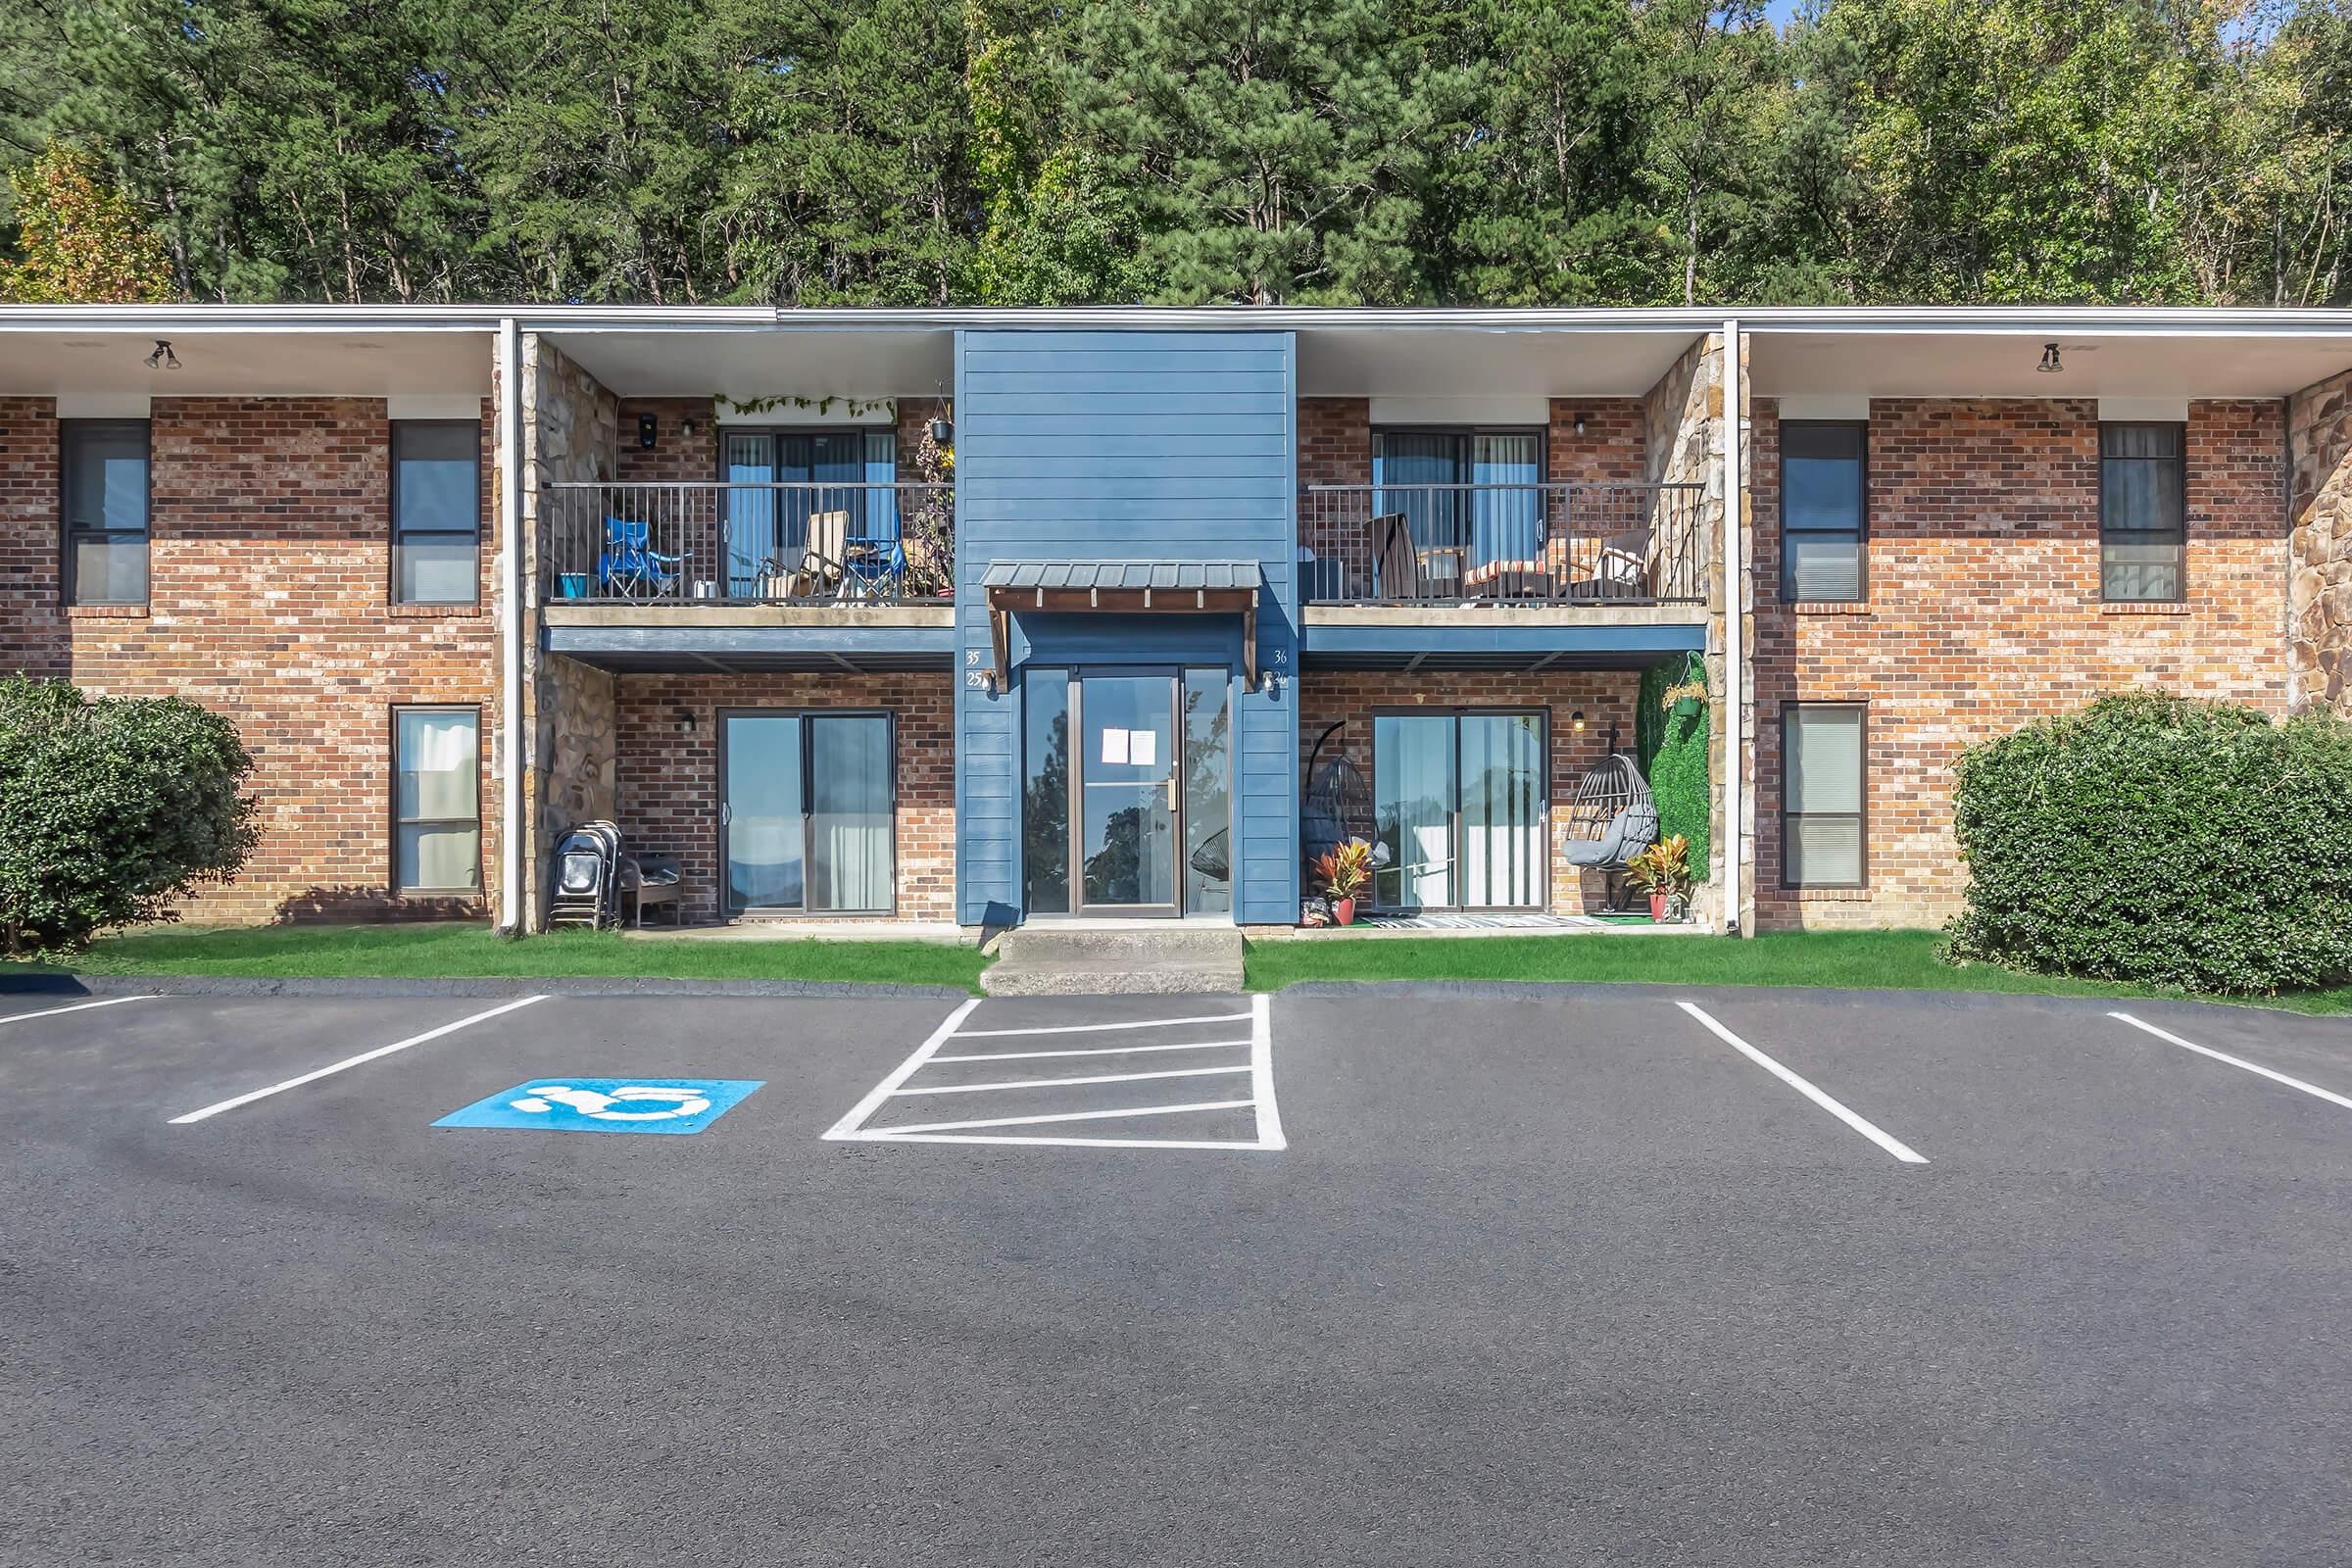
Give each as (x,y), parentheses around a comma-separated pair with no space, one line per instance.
(649,430)
(1269,684)
(1579,422)
(682,716)
(1576,721)
(686,426)
(163,358)
(2049,364)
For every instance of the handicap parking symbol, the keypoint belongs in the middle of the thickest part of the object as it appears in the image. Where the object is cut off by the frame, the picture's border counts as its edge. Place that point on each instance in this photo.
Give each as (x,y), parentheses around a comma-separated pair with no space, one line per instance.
(607,1104)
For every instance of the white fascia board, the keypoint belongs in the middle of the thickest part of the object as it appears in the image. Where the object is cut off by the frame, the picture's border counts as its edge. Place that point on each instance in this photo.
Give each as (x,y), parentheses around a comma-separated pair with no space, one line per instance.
(1824,406)
(2144,411)
(1490,409)
(102,405)
(432,406)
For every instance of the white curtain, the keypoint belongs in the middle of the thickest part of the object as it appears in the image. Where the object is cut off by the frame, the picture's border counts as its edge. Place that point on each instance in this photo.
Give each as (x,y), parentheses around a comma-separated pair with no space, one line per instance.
(850,810)
(1503,811)
(440,833)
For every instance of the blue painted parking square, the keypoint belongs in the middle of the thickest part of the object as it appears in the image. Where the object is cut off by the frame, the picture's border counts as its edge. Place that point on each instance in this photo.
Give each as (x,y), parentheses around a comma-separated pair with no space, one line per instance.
(607,1104)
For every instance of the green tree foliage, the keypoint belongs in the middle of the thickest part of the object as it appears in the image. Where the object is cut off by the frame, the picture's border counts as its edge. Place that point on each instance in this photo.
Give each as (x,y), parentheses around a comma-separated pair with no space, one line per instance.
(112,810)
(1308,151)
(81,238)
(2164,841)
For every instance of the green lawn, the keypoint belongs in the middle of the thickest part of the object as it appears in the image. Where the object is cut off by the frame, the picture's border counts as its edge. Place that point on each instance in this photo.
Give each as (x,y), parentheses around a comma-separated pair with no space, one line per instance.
(1899,960)
(470,952)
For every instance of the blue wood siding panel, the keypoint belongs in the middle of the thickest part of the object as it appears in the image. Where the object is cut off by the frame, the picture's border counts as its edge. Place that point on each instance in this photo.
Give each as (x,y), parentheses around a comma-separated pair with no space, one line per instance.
(1147,445)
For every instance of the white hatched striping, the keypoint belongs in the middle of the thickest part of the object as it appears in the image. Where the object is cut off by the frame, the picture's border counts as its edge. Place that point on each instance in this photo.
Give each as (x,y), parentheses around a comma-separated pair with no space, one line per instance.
(903,1082)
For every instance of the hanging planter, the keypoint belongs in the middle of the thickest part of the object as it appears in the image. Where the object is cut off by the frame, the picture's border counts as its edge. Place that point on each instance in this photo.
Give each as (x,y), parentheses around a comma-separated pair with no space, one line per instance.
(1687,697)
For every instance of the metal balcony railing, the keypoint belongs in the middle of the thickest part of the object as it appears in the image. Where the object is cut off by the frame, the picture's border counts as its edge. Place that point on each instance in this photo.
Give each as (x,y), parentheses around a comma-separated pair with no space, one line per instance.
(1469,544)
(716,542)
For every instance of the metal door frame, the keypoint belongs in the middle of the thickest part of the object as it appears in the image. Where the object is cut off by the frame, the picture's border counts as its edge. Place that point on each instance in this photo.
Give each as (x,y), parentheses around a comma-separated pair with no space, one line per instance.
(1080,907)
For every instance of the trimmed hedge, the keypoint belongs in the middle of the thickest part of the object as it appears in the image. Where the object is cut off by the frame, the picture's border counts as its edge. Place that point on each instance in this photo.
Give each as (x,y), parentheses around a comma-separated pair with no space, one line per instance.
(110,810)
(2165,842)
(1673,753)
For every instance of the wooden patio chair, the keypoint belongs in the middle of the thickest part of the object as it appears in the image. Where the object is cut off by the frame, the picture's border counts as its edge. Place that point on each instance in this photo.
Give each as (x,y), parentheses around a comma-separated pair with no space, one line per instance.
(824,561)
(1395,559)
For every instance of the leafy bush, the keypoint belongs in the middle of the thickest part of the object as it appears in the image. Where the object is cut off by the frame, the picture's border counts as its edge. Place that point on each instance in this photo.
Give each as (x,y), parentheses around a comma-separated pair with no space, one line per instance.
(110,810)
(1673,753)
(2168,842)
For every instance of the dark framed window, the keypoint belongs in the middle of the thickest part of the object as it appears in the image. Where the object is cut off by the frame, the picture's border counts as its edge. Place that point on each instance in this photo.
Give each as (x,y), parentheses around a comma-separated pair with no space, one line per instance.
(436,512)
(1825,795)
(1824,510)
(436,799)
(1461,800)
(103,473)
(2143,512)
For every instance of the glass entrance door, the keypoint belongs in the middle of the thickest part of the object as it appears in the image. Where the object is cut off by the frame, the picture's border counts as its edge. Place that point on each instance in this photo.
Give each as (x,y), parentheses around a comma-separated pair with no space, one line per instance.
(1128,807)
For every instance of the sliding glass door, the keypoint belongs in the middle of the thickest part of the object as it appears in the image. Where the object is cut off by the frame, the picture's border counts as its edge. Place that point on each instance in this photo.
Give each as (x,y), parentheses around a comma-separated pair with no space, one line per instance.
(768,530)
(808,811)
(1459,801)
(1490,513)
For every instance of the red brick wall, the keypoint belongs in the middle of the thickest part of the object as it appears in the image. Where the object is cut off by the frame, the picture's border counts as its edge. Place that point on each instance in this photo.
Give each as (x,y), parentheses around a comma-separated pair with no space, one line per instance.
(270,601)
(1984,613)
(676,455)
(669,776)
(1605,697)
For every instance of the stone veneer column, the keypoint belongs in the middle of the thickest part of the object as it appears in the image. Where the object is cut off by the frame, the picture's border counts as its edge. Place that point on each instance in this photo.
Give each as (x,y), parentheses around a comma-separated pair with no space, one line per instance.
(2318,595)
(571,431)
(1684,414)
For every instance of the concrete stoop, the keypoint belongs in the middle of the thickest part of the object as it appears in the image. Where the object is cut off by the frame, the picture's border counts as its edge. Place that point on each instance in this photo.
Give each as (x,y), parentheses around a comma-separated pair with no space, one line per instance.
(1037,960)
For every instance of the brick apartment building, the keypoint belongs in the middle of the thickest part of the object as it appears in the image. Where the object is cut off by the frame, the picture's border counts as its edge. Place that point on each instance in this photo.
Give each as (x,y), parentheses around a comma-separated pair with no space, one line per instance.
(988,616)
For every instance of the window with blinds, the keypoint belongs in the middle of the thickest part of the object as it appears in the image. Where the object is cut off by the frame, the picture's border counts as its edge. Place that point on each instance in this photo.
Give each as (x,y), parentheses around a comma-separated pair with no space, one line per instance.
(1824,502)
(104,479)
(1823,817)
(2143,512)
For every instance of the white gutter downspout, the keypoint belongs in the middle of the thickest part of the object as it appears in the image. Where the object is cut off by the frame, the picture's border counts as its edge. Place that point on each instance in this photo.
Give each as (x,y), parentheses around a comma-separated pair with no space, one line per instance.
(1735,617)
(510,598)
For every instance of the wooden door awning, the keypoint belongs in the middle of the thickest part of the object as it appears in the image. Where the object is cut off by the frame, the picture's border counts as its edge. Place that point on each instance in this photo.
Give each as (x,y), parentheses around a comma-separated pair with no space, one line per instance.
(1121,587)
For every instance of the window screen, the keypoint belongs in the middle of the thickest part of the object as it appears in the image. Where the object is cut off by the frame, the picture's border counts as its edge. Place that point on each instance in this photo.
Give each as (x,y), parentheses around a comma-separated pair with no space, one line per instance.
(1822,812)
(437,822)
(1824,483)
(104,479)
(2142,511)
(436,512)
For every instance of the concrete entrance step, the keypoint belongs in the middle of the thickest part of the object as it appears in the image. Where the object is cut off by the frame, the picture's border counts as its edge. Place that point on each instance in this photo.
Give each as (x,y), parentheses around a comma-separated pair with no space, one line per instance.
(1144,958)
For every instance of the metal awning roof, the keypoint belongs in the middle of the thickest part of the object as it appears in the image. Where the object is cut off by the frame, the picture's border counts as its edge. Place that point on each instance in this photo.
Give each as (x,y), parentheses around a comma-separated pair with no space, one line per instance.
(1124,576)
(1121,587)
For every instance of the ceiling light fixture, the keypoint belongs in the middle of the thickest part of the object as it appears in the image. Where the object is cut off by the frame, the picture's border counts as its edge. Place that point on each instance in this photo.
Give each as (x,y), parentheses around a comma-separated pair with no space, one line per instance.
(2049,364)
(163,358)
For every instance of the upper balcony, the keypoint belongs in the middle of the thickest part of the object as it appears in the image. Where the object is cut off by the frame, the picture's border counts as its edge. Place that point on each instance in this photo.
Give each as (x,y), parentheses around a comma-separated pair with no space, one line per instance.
(1473,545)
(718,543)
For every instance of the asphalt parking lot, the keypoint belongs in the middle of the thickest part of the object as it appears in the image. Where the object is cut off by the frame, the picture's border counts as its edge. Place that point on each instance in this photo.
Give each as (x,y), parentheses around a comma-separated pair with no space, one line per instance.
(1771,1278)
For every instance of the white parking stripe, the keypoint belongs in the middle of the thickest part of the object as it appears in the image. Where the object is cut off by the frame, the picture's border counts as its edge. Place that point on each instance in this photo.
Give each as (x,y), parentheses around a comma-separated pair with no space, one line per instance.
(1098,1028)
(1056,1083)
(1090,1051)
(847,1127)
(78,1006)
(1261,1072)
(353,1062)
(1113,1115)
(2312,1089)
(1893,1146)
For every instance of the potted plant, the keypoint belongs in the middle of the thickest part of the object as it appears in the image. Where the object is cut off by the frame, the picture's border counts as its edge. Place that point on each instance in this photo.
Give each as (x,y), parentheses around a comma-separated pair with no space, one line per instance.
(1343,870)
(1683,701)
(1663,871)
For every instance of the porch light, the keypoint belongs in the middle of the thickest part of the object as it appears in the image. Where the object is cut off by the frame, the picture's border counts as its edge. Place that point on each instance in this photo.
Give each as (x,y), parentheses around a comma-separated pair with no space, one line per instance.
(1576,721)
(1580,423)
(683,717)
(2049,364)
(163,358)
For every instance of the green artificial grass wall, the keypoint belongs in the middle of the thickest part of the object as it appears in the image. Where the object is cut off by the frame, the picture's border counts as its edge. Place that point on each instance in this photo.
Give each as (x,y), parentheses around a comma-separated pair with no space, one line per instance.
(1673,753)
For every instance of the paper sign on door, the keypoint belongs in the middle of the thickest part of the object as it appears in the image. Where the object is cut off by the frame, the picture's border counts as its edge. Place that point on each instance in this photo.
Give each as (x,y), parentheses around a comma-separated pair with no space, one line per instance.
(1114,747)
(1143,747)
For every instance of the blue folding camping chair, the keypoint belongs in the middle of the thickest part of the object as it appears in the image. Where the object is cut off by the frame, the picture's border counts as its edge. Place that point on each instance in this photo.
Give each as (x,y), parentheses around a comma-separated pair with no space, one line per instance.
(630,568)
